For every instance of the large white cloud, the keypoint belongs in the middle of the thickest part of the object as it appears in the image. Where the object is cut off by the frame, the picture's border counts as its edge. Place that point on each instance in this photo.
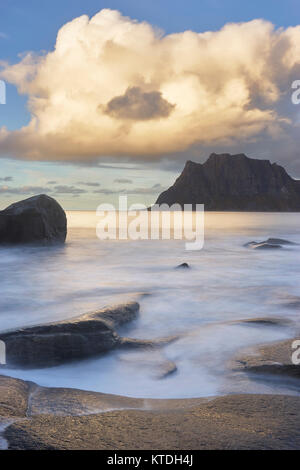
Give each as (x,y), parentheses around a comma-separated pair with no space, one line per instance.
(114,86)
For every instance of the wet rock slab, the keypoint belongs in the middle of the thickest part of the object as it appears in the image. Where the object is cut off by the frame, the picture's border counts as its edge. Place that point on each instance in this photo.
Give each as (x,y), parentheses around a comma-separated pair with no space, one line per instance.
(69,419)
(14,396)
(232,422)
(73,339)
(274,359)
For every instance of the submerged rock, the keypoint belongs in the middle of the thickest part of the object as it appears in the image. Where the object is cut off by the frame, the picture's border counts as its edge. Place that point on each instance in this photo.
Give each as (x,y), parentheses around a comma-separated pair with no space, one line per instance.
(265,321)
(166,369)
(132,343)
(77,338)
(38,219)
(155,364)
(292,301)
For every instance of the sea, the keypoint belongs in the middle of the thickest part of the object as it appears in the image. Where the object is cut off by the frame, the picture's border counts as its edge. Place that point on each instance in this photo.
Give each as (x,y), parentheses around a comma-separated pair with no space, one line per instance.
(205,305)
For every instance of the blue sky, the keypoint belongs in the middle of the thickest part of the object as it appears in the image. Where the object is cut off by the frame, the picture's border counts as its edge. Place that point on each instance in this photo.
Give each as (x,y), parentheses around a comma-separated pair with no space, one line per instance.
(33,26)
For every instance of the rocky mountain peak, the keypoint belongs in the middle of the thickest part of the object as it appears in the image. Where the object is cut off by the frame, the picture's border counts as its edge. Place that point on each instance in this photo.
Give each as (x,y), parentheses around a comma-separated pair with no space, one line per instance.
(234,183)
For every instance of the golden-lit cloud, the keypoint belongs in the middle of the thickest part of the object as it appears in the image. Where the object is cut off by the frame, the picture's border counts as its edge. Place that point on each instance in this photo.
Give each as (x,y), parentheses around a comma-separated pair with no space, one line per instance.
(117,87)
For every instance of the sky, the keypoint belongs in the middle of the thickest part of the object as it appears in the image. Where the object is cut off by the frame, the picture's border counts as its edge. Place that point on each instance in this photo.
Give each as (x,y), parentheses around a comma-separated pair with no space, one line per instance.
(108,98)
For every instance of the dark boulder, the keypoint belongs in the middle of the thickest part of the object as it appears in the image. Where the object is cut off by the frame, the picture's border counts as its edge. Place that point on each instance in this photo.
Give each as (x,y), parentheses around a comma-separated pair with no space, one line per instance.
(69,340)
(38,219)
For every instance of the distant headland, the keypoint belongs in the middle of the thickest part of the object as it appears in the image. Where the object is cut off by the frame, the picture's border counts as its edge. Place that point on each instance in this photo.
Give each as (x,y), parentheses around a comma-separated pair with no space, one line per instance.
(234,183)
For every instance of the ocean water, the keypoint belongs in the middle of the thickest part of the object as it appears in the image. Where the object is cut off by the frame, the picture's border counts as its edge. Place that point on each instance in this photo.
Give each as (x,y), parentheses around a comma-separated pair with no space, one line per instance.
(226,283)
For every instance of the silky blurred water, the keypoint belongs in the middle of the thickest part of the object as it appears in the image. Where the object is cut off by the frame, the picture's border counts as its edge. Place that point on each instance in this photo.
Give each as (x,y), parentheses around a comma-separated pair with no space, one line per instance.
(226,282)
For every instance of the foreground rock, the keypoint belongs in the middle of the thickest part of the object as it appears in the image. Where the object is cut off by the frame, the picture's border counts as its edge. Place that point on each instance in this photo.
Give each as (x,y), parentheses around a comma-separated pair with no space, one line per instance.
(234,183)
(64,419)
(39,219)
(274,359)
(73,339)
(20,399)
(14,395)
(69,419)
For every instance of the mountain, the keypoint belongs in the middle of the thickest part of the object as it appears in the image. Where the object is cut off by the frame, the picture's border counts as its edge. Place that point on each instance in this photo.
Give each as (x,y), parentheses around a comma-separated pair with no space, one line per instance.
(234,183)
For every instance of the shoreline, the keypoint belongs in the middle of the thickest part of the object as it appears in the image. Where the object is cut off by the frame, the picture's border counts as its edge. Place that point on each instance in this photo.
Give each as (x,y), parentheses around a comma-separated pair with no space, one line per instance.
(69,419)
(228,422)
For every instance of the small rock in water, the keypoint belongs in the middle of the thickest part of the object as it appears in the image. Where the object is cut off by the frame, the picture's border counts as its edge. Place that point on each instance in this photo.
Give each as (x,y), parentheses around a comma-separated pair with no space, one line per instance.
(280,241)
(271,243)
(266,246)
(262,246)
(183,266)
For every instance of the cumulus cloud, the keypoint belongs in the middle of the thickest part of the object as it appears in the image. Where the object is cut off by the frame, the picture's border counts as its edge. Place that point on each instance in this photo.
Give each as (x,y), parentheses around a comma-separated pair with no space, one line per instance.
(114,86)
